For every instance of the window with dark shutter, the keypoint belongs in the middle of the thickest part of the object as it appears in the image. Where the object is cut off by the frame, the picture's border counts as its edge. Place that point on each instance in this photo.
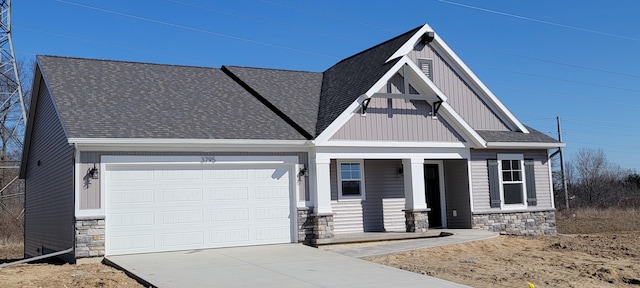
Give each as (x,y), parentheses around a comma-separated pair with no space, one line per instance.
(531,182)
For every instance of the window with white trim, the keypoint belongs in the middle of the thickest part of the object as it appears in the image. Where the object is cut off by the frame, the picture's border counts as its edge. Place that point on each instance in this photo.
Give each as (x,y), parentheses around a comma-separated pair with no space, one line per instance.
(350,179)
(512,181)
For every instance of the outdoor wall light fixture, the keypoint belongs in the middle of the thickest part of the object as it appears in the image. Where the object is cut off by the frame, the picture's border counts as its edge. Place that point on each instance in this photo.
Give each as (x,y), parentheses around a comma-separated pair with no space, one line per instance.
(93,172)
(303,171)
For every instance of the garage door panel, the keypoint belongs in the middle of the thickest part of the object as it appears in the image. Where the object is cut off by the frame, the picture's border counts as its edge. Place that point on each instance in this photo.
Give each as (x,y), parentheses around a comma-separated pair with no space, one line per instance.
(183,217)
(229,193)
(182,195)
(196,209)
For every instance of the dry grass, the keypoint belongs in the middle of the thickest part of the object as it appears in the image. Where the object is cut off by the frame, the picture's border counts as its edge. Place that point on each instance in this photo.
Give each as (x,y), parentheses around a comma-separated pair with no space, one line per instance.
(592,220)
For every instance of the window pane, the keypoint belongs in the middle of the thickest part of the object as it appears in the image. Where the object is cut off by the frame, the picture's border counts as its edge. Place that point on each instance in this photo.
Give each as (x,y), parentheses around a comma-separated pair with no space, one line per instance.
(513,194)
(351,188)
(345,174)
(515,164)
(506,165)
(517,176)
(355,174)
(506,176)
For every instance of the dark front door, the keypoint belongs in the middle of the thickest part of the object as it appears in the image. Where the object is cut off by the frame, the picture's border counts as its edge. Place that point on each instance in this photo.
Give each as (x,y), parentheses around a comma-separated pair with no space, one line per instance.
(432,193)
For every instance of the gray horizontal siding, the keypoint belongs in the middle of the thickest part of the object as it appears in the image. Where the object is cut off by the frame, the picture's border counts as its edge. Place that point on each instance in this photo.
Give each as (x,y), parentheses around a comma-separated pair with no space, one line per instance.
(49,199)
(90,192)
(480,177)
(457,193)
(382,209)
(461,96)
(397,120)
(347,214)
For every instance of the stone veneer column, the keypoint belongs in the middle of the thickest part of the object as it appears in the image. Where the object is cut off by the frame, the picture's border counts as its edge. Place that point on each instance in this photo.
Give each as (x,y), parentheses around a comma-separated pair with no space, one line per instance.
(416,220)
(305,225)
(89,237)
(323,226)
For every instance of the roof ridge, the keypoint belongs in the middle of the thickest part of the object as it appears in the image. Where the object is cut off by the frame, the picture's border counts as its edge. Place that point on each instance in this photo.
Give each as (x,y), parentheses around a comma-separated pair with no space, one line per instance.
(125,61)
(273,69)
(377,45)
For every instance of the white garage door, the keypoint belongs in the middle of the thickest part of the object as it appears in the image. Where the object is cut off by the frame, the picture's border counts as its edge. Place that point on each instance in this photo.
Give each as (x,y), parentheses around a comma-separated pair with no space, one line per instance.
(177,207)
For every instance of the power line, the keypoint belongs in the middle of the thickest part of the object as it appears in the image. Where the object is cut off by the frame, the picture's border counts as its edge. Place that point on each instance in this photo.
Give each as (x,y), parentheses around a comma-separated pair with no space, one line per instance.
(93,41)
(549,61)
(330,16)
(296,28)
(198,30)
(540,21)
(622,105)
(559,79)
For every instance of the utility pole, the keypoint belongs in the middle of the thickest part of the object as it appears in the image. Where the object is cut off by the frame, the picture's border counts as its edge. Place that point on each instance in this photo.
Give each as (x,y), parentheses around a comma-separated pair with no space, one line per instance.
(562,167)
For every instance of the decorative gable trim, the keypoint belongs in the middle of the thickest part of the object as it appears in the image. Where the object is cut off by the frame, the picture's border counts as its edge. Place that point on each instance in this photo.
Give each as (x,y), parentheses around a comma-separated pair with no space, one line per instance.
(464,128)
(464,69)
(408,46)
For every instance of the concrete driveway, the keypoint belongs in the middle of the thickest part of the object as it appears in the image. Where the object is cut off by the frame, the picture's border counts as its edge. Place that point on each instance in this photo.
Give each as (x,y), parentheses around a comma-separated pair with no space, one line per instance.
(286,265)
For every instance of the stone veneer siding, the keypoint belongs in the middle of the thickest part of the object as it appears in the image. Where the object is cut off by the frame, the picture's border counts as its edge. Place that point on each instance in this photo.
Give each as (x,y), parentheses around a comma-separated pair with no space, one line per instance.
(416,221)
(89,237)
(305,225)
(518,223)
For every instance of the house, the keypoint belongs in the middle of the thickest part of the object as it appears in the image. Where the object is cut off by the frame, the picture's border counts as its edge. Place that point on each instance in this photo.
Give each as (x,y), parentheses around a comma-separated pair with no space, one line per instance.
(124,157)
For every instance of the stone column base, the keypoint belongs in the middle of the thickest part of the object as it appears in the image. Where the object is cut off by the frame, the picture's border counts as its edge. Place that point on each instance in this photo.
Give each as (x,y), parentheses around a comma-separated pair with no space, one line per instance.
(89,237)
(322,226)
(305,225)
(416,220)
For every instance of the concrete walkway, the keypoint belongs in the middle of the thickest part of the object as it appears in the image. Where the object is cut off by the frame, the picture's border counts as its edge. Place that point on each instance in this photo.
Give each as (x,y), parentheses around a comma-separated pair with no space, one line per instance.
(286,265)
(389,247)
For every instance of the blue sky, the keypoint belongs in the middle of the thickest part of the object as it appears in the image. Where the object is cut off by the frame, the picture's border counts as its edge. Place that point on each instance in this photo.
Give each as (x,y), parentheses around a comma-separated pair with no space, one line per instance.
(577,59)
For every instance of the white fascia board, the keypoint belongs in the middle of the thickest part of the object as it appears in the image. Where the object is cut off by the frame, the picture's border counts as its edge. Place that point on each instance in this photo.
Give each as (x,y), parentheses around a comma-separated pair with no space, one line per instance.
(94,144)
(391,144)
(391,153)
(197,160)
(425,79)
(408,46)
(521,145)
(348,113)
(460,122)
(457,61)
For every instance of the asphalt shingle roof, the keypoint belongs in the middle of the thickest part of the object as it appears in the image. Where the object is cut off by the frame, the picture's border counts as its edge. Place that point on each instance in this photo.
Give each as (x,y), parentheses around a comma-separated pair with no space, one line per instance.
(115,99)
(344,82)
(295,93)
(534,136)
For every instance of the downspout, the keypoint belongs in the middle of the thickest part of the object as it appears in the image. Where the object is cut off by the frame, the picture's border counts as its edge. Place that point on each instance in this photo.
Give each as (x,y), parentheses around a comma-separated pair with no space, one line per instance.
(76,159)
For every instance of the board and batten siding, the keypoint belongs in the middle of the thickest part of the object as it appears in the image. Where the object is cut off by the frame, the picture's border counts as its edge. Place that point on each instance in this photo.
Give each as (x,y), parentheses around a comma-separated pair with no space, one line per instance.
(461,96)
(382,210)
(49,199)
(397,120)
(90,191)
(457,194)
(480,178)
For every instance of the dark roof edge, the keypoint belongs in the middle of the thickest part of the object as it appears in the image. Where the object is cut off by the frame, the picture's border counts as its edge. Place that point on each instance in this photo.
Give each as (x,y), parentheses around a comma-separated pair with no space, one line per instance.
(265,102)
(414,30)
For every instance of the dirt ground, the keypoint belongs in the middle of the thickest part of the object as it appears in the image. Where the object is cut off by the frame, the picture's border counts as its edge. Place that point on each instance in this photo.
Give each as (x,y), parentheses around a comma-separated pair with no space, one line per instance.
(596,250)
(51,275)
(602,251)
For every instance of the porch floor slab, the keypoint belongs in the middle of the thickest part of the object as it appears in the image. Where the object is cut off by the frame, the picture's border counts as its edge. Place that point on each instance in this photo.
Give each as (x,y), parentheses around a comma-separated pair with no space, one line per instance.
(379,236)
(382,247)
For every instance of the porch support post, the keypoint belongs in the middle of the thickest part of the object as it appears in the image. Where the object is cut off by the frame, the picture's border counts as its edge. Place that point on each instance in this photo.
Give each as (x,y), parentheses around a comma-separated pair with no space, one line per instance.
(322,191)
(416,218)
(414,191)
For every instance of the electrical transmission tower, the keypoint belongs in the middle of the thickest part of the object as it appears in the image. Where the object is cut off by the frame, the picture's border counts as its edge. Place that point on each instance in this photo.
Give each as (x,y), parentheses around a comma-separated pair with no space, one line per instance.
(13,117)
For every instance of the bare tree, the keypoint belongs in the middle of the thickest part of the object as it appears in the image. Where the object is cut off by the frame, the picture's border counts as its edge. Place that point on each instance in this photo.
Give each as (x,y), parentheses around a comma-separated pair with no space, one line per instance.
(595,182)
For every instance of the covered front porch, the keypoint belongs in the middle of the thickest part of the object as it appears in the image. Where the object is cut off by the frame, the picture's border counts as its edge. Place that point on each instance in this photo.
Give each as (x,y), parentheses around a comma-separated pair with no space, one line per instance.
(389,196)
